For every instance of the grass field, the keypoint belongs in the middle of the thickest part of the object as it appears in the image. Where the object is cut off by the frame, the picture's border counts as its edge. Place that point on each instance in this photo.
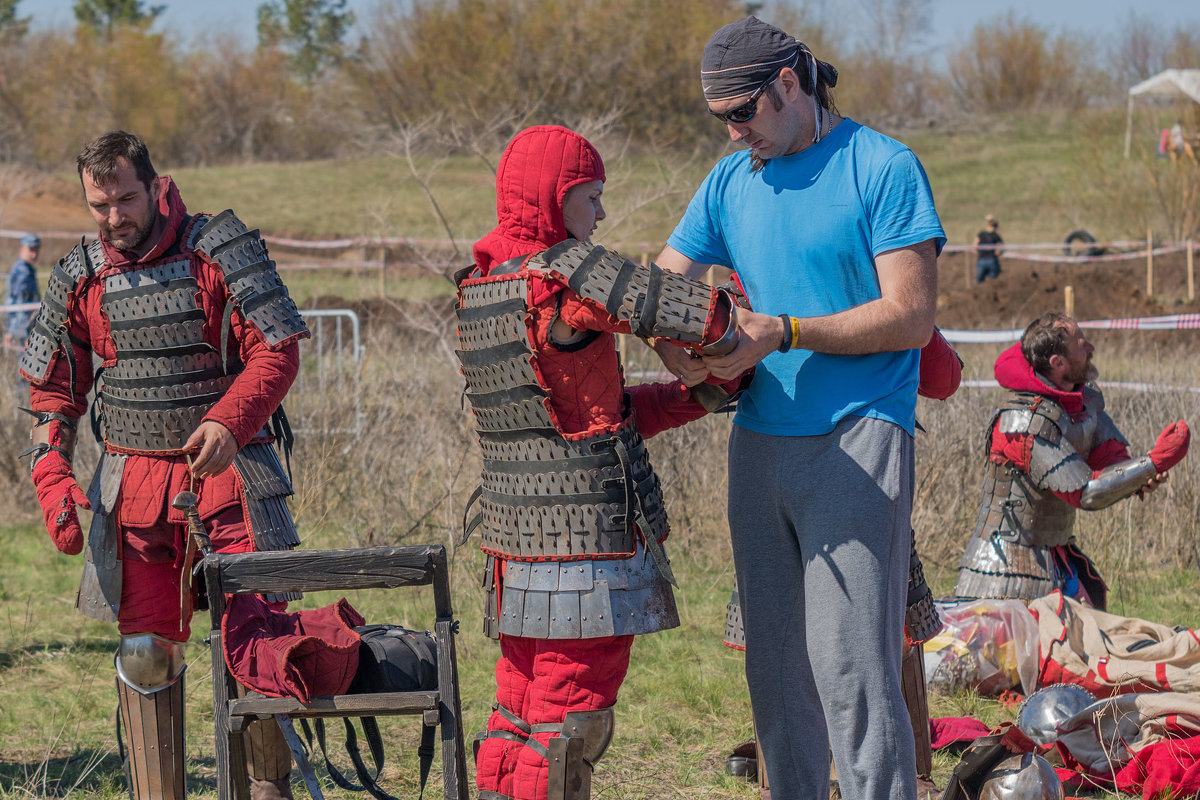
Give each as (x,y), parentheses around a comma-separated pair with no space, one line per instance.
(1033,171)
(684,705)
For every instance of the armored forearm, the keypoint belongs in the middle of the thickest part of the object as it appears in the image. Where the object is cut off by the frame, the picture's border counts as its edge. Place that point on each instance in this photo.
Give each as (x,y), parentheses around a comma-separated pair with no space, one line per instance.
(51,432)
(654,302)
(1116,483)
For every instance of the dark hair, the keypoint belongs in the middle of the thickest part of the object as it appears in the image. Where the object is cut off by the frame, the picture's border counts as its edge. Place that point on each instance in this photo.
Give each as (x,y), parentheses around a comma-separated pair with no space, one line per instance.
(1046,336)
(99,157)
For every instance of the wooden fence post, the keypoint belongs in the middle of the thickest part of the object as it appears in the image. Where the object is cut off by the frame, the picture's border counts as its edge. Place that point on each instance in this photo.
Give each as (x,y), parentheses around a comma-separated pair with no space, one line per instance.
(1149,264)
(1191,274)
(967,257)
(383,272)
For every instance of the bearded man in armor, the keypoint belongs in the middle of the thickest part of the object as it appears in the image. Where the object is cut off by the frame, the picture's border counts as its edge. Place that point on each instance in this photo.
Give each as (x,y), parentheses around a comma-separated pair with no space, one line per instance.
(569,508)
(196,338)
(1052,449)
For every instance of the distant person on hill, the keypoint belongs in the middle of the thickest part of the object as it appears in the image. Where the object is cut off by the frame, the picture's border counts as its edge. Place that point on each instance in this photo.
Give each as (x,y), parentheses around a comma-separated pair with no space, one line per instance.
(1180,146)
(832,229)
(197,337)
(1052,449)
(22,288)
(569,508)
(987,243)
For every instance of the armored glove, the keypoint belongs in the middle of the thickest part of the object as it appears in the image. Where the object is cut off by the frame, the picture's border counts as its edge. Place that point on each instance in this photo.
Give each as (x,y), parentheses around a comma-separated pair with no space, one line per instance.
(59,494)
(1171,447)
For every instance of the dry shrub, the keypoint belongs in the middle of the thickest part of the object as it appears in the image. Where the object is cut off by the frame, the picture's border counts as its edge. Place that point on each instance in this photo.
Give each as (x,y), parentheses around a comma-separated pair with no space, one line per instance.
(405,477)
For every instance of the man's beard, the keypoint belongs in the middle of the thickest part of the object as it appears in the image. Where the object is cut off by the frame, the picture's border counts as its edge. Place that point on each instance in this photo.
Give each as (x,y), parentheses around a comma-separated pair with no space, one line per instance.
(1086,373)
(136,239)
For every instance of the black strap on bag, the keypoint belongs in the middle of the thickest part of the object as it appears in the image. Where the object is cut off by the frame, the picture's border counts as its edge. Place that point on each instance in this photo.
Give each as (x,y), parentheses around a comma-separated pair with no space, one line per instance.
(391,659)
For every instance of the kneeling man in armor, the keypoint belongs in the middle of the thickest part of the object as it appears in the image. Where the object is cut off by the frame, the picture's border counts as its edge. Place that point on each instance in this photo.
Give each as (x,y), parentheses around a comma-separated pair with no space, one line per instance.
(569,508)
(196,338)
(1052,449)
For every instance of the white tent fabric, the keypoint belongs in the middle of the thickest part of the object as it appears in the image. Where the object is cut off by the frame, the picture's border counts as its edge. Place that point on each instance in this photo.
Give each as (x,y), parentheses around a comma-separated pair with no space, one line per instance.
(1181,83)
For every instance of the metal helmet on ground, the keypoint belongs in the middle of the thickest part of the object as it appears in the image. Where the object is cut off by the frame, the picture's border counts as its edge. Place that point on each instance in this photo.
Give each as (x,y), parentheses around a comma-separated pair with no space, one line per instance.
(1047,708)
(1022,777)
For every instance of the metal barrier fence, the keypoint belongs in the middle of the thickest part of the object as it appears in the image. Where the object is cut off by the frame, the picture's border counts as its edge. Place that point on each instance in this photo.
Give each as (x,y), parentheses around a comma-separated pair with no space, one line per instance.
(337,354)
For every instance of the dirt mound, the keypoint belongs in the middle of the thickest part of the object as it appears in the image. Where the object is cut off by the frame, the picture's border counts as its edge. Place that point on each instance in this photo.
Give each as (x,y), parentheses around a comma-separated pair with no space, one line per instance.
(1027,289)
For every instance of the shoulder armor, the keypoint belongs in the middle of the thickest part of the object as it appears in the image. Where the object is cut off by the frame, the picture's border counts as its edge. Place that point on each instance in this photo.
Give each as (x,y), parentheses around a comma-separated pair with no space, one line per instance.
(250,275)
(1106,429)
(50,327)
(1033,414)
(1053,461)
(653,301)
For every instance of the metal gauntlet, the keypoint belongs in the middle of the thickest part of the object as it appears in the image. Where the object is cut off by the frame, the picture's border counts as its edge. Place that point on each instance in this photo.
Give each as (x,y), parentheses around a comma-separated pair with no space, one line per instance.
(1116,483)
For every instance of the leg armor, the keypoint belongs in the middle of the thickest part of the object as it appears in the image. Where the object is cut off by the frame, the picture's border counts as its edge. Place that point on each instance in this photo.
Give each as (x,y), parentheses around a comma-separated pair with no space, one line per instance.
(268,759)
(150,697)
(582,738)
(912,682)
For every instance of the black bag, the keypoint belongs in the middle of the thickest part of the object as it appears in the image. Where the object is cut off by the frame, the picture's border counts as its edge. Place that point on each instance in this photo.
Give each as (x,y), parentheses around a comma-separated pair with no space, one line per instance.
(390,659)
(395,659)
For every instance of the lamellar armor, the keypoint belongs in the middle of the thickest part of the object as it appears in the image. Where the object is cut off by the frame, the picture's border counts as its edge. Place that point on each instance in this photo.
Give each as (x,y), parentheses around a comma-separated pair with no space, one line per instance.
(165,376)
(577,519)
(1020,518)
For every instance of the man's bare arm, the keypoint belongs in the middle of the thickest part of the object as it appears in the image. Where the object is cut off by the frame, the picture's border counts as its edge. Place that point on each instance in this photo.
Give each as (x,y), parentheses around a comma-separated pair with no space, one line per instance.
(672,260)
(901,319)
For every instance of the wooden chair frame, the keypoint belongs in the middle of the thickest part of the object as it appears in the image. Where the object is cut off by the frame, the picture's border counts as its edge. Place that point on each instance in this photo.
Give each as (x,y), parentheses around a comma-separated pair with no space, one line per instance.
(318,570)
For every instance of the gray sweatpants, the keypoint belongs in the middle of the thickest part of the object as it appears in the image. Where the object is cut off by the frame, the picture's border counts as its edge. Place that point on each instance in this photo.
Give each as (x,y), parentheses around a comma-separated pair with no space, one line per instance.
(820,529)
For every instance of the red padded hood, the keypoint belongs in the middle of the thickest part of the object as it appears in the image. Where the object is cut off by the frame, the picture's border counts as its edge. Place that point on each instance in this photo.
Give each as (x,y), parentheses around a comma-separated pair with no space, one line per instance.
(538,167)
(1014,372)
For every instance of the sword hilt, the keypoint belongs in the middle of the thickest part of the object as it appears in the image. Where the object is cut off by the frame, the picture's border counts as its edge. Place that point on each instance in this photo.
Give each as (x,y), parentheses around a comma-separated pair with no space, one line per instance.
(186,502)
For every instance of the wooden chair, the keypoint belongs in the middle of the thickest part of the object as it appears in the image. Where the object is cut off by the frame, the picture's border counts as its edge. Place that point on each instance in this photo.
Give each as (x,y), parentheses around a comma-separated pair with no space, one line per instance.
(318,570)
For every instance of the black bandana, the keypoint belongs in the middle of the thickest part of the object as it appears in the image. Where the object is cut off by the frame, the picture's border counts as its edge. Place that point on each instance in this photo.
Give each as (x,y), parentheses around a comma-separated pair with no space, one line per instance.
(743,55)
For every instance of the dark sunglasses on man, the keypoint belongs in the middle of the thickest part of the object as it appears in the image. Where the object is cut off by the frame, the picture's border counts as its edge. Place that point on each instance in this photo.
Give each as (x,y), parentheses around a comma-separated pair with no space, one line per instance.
(746,111)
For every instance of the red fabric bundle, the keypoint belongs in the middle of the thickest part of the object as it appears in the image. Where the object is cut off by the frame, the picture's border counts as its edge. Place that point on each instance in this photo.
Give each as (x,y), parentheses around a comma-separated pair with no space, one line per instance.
(301,654)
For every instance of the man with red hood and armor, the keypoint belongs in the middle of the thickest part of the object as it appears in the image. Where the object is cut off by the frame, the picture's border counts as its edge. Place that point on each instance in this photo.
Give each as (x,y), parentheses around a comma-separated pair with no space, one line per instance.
(569,508)
(1052,449)
(196,338)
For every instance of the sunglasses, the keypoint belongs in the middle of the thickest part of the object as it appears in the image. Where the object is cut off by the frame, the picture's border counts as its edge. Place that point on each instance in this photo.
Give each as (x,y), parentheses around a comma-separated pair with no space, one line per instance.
(746,111)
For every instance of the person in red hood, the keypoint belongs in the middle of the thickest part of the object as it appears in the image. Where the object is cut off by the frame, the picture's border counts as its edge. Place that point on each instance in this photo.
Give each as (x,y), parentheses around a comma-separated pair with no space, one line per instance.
(1051,450)
(196,338)
(570,509)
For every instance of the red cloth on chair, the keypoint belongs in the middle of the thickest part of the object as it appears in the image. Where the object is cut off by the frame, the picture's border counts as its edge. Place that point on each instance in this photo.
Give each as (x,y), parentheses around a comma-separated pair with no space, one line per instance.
(301,654)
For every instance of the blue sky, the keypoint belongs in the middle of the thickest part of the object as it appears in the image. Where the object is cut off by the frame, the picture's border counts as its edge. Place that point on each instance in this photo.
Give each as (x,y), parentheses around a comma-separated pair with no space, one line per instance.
(952,19)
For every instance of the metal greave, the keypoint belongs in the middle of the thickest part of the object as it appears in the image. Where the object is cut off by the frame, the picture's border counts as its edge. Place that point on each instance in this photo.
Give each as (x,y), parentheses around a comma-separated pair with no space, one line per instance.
(153,725)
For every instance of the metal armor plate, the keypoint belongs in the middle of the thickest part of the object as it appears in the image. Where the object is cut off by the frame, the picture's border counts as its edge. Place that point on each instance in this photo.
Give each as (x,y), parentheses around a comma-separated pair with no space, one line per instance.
(584,599)
(543,496)
(265,485)
(49,327)
(166,376)
(1002,568)
(254,285)
(653,301)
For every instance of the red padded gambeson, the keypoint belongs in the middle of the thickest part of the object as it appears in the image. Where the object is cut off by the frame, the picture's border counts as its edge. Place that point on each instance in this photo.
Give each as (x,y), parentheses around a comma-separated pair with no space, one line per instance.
(149,481)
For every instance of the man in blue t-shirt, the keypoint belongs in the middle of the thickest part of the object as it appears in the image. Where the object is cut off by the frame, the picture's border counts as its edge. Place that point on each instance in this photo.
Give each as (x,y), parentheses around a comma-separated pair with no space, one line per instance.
(832,229)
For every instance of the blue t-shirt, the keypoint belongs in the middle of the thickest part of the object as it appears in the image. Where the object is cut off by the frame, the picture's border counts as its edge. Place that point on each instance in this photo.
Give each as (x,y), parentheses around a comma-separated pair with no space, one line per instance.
(802,235)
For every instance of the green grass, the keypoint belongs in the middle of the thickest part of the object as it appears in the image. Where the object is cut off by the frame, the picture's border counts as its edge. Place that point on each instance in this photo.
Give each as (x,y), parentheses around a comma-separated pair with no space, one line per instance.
(683,706)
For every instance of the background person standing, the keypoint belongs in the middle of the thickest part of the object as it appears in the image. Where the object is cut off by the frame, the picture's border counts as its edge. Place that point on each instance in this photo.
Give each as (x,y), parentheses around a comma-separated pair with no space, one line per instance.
(987,244)
(22,288)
